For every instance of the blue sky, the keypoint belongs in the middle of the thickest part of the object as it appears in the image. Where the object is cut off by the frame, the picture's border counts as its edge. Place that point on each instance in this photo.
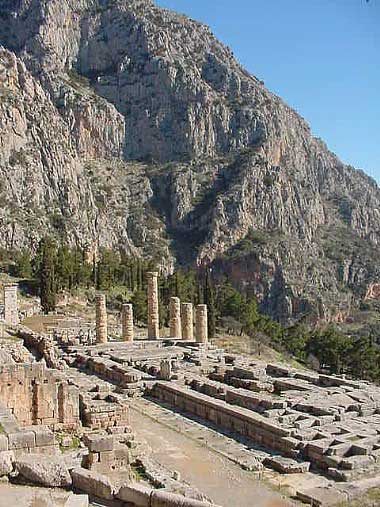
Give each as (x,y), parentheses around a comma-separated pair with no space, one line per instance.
(321,56)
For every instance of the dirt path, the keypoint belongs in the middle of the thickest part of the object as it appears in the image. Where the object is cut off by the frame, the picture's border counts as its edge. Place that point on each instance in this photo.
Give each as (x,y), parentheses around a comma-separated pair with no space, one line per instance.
(223,481)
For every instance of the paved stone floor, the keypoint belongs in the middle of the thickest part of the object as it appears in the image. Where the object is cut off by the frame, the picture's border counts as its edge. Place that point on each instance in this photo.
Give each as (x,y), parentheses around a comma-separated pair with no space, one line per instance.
(215,475)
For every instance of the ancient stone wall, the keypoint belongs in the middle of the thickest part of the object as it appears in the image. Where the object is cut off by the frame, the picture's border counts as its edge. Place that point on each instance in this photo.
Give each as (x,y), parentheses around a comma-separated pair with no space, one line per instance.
(103,410)
(106,452)
(36,396)
(233,418)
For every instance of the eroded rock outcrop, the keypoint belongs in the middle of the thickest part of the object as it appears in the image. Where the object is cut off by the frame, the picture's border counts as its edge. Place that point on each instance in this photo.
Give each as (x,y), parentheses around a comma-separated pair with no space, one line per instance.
(227,173)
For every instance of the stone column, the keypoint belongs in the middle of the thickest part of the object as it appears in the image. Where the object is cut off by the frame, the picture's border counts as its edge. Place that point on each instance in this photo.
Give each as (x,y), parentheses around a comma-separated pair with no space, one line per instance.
(153,315)
(10,304)
(175,318)
(187,321)
(101,319)
(201,332)
(127,323)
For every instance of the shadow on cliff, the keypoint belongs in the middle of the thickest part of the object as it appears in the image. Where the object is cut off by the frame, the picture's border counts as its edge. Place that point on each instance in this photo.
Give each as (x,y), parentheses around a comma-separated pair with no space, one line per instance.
(188,235)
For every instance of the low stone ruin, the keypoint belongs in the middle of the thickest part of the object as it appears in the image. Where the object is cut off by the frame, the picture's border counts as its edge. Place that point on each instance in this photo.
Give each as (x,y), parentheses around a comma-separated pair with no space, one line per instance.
(285,420)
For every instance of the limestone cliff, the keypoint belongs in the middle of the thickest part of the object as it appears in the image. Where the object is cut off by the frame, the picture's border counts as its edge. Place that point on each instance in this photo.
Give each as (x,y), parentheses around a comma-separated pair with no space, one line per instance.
(132,126)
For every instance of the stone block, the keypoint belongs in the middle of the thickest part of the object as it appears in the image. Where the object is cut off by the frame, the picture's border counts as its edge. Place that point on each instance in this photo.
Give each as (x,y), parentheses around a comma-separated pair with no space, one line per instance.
(106,457)
(47,449)
(161,498)
(77,501)
(355,462)
(50,471)
(6,462)
(3,443)
(321,496)
(122,452)
(99,443)
(92,483)
(91,459)
(361,449)
(286,465)
(340,449)
(338,475)
(21,440)
(43,435)
(136,494)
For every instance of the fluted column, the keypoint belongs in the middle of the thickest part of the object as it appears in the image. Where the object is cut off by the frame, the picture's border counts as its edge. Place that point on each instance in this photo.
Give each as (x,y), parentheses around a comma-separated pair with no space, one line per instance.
(101,319)
(175,318)
(127,323)
(201,332)
(187,321)
(153,314)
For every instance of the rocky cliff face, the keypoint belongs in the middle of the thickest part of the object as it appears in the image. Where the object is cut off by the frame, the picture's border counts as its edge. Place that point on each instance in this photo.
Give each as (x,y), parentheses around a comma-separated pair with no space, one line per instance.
(131,126)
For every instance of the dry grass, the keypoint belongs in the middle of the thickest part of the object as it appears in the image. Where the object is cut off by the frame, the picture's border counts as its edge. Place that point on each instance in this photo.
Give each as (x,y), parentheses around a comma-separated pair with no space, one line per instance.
(244,345)
(370,499)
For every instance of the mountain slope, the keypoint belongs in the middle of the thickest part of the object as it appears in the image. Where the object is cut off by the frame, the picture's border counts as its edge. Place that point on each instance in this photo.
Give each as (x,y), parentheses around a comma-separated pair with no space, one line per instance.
(139,130)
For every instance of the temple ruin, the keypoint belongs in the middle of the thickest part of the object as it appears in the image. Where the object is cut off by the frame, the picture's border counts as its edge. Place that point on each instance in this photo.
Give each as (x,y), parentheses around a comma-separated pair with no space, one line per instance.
(127,323)
(201,324)
(175,318)
(153,310)
(101,319)
(265,417)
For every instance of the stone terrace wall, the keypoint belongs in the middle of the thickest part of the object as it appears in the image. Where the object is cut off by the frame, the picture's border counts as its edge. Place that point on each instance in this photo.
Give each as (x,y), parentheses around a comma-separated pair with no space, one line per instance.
(233,418)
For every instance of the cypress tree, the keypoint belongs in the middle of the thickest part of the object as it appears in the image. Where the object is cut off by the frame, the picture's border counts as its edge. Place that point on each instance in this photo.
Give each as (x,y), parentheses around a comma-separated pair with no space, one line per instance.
(47,282)
(23,265)
(199,300)
(209,298)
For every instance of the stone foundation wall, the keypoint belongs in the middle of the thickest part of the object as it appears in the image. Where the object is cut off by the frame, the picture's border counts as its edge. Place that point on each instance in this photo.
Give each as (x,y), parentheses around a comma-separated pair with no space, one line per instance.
(36,396)
(233,418)
(103,411)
